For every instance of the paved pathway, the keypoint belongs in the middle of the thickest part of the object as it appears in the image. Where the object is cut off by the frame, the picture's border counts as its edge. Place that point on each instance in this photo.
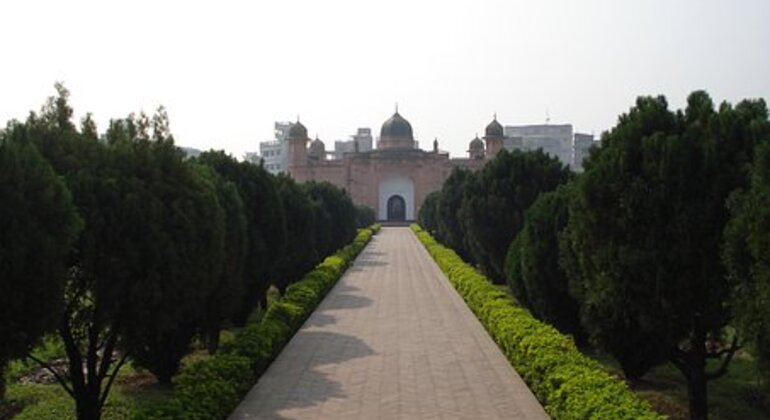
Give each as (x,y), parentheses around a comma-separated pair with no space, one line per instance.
(392,340)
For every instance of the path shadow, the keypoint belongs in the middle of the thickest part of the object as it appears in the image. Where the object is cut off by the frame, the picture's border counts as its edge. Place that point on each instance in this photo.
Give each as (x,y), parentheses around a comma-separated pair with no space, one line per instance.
(345,301)
(305,385)
(320,319)
(345,288)
(366,260)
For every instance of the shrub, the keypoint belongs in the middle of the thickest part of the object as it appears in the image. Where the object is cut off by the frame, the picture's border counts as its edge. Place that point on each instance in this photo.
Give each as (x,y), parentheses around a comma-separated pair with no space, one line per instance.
(567,383)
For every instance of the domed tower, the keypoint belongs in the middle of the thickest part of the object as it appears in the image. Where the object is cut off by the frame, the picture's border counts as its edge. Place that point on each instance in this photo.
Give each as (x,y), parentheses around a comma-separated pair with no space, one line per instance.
(494,136)
(317,151)
(297,140)
(396,133)
(476,149)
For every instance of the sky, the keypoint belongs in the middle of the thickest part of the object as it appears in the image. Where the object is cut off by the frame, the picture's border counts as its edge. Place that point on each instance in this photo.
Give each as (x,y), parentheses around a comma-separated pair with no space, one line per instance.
(226,70)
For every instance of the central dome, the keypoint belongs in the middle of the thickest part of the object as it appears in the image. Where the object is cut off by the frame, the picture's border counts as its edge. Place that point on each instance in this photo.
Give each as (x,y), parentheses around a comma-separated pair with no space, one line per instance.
(297,130)
(396,133)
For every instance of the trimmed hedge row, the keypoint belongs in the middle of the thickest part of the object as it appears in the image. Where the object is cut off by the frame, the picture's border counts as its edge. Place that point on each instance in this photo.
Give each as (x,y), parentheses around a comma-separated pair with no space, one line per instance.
(567,383)
(213,387)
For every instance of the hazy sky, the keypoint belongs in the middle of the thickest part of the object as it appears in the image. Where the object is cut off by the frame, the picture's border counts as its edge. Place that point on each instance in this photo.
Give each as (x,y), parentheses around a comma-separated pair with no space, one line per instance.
(225,70)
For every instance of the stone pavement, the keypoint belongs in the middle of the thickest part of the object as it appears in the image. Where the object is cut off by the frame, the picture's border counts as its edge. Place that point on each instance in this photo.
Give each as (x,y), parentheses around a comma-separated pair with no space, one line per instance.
(392,340)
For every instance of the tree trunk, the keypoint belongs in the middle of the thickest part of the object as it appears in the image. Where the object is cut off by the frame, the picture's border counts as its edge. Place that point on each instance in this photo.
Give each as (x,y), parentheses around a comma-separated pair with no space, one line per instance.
(697,388)
(697,391)
(212,341)
(2,379)
(87,406)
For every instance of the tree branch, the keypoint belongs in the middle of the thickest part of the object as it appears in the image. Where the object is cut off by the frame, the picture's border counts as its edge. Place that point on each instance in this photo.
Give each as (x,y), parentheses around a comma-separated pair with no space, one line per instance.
(113,375)
(56,375)
(730,352)
(109,347)
(679,359)
(74,356)
(732,349)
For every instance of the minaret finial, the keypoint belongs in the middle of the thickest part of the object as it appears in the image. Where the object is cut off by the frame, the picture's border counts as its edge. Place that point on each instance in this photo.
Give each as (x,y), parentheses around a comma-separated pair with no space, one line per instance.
(396,107)
(495,115)
(297,117)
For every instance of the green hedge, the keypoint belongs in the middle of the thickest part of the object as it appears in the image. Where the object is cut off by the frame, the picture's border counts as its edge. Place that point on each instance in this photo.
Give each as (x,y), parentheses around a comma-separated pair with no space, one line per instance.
(567,383)
(213,387)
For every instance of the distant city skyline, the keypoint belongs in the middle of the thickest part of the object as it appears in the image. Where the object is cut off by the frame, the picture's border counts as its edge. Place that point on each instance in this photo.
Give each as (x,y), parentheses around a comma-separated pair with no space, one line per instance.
(226,71)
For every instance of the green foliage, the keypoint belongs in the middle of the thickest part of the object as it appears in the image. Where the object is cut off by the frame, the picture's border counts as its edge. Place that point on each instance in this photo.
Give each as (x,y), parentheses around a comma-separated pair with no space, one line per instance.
(495,199)
(747,258)
(299,257)
(532,265)
(428,215)
(220,303)
(646,229)
(182,263)
(148,256)
(569,385)
(39,223)
(449,230)
(335,216)
(265,227)
(365,216)
(204,388)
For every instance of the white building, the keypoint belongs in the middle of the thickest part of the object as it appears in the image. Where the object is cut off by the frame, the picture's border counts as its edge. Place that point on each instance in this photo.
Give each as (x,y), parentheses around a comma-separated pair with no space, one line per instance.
(582,144)
(274,153)
(557,140)
(364,139)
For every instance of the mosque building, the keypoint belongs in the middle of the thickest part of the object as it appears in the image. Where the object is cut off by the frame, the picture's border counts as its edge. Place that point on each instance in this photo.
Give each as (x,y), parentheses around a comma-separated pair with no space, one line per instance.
(396,176)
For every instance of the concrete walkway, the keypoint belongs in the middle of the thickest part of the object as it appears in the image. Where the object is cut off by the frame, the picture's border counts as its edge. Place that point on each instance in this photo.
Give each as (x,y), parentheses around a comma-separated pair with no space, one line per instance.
(391,340)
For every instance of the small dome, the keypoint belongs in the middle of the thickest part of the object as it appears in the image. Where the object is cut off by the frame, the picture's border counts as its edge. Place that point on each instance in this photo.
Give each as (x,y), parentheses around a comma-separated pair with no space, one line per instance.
(297,130)
(397,128)
(476,144)
(317,149)
(494,129)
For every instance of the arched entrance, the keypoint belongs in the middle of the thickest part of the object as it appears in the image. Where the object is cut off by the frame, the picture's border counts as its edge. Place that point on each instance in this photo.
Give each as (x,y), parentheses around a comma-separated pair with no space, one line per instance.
(395,188)
(396,209)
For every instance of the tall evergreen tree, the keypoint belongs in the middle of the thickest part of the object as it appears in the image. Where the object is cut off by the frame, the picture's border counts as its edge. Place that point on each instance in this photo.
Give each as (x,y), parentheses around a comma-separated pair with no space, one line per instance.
(340,210)
(299,256)
(265,227)
(747,257)
(428,215)
(496,198)
(646,230)
(448,226)
(39,223)
(533,267)
(144,257)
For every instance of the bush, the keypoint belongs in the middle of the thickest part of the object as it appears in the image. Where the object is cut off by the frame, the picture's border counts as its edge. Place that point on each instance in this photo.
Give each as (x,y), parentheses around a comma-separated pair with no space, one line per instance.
(568,384)
(365,216)
(212,388)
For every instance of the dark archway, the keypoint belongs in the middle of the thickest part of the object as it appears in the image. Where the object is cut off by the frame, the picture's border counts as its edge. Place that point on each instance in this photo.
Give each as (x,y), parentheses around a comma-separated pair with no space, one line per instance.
(396,208)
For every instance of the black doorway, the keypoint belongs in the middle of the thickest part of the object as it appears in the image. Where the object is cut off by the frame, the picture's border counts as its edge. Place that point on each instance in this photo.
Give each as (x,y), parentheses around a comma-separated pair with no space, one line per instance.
(396,208)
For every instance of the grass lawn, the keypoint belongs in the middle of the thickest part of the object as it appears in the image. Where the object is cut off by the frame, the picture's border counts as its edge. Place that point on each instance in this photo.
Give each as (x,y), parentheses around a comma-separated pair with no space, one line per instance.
(735,396)
(133,389)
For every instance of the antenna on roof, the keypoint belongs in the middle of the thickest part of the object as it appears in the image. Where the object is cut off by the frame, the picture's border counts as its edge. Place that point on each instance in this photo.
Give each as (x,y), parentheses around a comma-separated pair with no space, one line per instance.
(396,107)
